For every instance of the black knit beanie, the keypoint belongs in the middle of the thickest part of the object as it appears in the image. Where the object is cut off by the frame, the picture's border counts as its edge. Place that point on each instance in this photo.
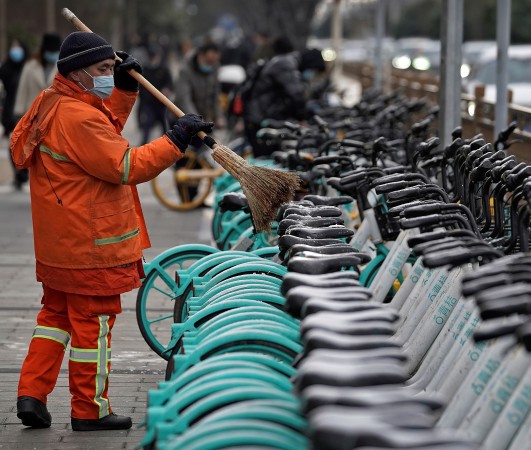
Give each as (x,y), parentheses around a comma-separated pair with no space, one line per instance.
(82,49)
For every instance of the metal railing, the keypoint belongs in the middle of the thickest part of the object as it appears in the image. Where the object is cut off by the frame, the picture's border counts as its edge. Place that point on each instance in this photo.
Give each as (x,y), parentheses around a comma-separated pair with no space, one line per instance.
(477,113)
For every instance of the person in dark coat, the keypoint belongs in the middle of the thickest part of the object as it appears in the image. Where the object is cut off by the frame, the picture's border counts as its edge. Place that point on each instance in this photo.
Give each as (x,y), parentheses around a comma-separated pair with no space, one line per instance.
(150,110)
(279,92)
(10,71)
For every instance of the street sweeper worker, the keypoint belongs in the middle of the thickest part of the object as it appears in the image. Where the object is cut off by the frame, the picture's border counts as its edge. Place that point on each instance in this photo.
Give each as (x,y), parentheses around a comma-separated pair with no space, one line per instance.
(88,227)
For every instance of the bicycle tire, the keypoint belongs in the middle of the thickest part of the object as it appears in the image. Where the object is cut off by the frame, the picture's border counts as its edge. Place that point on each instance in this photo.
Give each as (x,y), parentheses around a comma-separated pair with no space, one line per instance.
(176,195)
(148,284)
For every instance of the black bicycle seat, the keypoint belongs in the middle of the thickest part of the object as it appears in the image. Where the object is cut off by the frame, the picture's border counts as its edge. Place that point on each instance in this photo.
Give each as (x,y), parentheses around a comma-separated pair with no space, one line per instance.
(352,374)
(316,305)
(459,255)
(297,296)
(511,291)
(505,307)
(233,201)
(331,280)
(407,416)
(314,211)
(346,327)
(315,396)
(331,232)
(440,234)
(386,315)
(312,222)
(386,188)
(331,432)
(319,200)
(287,241)
(444,244)
(316,264)
(334,249)
(317,338)
(480,284)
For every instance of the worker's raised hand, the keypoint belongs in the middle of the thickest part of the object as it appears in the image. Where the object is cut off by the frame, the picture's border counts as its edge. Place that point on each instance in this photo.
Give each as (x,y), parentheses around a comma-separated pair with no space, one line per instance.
(187,127)
(122,80)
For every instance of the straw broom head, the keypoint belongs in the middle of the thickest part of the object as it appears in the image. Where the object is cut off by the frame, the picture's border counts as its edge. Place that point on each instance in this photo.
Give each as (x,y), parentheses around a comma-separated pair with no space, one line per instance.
(265,189)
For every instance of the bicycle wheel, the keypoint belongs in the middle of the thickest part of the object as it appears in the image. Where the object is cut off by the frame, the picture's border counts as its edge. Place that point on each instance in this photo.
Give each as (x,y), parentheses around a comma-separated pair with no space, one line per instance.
(183,195)
(154,303)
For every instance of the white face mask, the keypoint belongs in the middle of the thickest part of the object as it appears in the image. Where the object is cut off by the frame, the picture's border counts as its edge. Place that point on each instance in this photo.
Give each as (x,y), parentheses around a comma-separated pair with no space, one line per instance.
(103,85)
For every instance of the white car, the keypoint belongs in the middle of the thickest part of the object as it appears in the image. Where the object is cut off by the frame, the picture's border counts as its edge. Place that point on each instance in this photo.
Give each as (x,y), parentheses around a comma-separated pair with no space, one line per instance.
(519,73)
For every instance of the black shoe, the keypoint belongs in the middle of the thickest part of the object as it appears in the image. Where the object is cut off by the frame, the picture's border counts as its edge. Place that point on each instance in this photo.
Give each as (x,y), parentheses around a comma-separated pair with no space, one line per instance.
(110,422)
(33,412)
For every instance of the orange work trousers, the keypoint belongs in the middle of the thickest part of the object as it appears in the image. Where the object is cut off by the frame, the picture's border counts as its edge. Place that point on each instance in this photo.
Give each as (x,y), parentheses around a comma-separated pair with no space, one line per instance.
(86,321)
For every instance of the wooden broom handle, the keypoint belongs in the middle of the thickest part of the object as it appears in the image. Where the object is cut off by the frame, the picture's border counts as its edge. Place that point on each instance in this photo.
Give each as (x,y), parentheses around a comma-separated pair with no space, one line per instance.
(72,18)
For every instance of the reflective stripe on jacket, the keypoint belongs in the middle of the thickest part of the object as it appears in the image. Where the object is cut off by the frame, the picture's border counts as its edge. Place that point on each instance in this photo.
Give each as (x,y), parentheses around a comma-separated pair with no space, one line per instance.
(85,207)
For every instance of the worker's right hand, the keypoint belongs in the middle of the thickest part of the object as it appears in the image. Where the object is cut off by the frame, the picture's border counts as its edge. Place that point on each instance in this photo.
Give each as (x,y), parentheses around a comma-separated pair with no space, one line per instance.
(187,127)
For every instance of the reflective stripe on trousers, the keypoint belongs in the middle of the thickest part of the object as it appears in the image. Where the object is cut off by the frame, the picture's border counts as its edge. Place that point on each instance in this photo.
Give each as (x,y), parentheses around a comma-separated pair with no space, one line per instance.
(55,334)
(101,357)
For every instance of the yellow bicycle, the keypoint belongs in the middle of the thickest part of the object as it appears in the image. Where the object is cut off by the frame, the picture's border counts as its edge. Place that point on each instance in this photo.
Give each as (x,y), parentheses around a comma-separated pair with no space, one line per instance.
(186,185)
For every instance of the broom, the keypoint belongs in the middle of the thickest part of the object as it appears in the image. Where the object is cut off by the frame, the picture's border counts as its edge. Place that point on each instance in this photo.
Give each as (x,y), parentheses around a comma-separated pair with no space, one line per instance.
(265,189)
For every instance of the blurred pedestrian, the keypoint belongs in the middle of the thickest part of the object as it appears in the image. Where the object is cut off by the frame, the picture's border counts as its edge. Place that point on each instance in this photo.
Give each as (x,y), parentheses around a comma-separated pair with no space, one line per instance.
(10,71)
(88,227)
(37,74)
(151,112)
(198,91)
(279,91)
(197,87)
(262,46)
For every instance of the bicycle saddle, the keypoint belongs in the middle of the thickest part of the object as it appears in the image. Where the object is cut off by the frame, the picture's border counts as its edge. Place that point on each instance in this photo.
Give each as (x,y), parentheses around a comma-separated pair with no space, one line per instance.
(334,249)
(436,235)
(385,315)
(331,232)
(495,328)
(443,244)
(316,264)
(319,200)
(346,327)
(504,277)
(400,177)
(233,201)
(459,255)
(315,396)
(330,431)
(312,222)
(451,446)
(386,188)
(297,296)
(505,307)
(408,416)
(325,281)
(287,241)
(318,338)
(316,305)
(352,374)
(511,291)
(314,211)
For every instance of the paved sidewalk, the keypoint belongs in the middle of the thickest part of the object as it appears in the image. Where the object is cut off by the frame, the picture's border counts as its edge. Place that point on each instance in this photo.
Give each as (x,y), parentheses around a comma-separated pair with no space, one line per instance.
(135,368)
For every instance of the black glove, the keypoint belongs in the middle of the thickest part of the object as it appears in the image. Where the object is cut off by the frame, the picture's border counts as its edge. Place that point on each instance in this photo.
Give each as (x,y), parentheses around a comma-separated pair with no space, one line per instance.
(122,80)
(187,127)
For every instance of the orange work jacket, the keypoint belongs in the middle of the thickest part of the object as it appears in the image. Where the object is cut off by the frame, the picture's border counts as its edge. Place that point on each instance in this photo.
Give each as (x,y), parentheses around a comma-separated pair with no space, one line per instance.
(85,207)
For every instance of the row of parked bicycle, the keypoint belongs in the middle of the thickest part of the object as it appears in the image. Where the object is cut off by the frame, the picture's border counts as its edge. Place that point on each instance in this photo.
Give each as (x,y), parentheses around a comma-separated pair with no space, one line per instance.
(389,308)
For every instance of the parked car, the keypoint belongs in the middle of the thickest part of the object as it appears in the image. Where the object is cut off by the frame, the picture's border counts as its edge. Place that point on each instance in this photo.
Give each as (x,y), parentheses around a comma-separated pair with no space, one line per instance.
(420,54)
(519,74)
(471,51)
